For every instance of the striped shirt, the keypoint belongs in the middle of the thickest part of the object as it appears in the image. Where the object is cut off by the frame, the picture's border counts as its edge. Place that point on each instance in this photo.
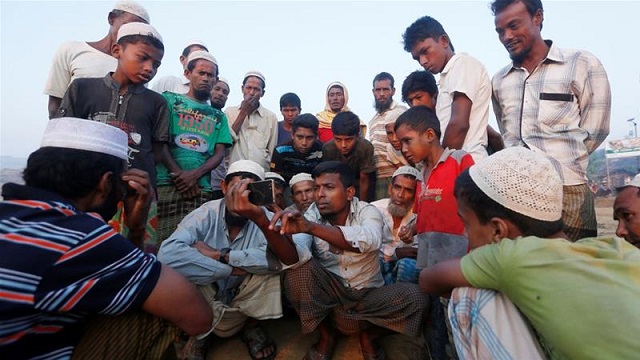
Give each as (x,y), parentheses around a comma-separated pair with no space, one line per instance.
(378,137)
(562,108)
(59,265)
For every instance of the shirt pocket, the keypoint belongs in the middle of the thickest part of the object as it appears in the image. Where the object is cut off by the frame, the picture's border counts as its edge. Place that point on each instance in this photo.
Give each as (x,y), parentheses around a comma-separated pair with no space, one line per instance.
(558,108)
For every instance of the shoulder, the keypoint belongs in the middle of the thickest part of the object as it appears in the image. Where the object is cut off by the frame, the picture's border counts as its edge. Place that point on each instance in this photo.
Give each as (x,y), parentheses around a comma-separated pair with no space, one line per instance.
(459,156)
(153,96)
(364,144)
(500,74)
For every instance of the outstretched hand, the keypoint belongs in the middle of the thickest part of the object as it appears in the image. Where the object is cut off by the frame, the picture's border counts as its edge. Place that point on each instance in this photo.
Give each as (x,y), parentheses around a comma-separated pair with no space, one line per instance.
(291,222)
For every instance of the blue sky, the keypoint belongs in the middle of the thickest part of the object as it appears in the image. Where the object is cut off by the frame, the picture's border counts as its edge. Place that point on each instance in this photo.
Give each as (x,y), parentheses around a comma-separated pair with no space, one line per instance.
(301,47)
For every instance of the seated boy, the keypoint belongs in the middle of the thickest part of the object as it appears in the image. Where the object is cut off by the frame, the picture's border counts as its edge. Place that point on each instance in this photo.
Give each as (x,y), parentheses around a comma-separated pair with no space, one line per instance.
(511,204)
(348,147)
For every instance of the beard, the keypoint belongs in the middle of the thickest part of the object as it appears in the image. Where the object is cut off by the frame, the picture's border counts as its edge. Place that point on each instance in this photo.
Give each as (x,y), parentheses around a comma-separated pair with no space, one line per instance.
(397,210)
(201,95)
(109,208)
(382,106)
(234,220)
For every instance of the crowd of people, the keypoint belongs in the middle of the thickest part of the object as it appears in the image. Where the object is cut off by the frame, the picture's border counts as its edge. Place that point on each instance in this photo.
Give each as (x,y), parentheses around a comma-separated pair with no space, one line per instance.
(136,235)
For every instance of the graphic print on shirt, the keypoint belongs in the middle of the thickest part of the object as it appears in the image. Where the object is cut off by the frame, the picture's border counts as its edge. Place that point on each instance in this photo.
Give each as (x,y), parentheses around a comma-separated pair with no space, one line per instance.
(134,137)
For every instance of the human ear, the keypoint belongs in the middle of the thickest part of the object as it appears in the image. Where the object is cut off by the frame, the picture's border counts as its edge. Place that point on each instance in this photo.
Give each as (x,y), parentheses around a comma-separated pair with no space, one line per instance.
(499,228)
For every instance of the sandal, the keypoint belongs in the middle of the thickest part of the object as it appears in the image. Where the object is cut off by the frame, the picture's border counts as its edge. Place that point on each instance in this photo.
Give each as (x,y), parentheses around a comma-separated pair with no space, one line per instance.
(314,354)
(257,340)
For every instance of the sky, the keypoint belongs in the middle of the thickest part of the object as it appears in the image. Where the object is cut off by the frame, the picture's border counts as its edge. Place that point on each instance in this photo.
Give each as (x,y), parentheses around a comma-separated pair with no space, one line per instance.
(301,47)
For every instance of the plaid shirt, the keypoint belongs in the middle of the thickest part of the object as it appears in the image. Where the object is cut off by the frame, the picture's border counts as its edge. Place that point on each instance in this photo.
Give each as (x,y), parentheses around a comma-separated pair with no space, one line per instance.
(562,108)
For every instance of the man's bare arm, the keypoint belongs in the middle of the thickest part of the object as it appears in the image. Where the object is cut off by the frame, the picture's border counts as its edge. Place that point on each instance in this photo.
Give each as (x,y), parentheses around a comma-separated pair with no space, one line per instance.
(442,278)
(456,131)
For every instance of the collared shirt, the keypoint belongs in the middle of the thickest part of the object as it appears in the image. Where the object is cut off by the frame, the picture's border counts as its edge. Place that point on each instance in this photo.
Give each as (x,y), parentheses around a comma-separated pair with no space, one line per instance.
(174,84)
(257,138)
(562,108)
(248,249)
(379,140)
(390,239)
(363,231)
(464,74)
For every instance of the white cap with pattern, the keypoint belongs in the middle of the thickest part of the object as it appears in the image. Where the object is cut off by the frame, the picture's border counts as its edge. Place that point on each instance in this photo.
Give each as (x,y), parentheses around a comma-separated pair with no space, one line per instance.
(407,170)
(201,54)
(255,73)
(138,28)
(82,134)
(134,8)
(224,80)
(300,177)
(521,180)
(246,166)
(274,176)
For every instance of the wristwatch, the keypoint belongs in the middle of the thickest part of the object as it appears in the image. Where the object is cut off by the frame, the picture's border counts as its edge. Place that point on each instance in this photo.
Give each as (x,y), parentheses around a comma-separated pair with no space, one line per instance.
(223,255)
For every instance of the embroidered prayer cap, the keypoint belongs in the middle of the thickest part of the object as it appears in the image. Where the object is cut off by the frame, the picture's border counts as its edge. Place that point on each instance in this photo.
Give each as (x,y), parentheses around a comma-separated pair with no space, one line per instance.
(195,42)
(407,170)
(635,182)
(300,177)
(521,180)
(82,134)
(275,176)
(134,8)
(246,166)
(224,80)
(201,54)
(255,73)
(138,28)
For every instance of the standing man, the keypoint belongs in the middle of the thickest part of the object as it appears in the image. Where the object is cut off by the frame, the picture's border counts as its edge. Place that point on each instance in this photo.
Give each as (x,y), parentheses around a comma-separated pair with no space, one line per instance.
(179,84)
(290,108)
(387,111)
(253,127)
(219,96)
(553,101)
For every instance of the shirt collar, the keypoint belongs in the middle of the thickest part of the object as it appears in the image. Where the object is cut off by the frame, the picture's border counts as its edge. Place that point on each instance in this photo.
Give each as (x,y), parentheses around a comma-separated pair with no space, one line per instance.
(449,64)
(11,191)
(553,55)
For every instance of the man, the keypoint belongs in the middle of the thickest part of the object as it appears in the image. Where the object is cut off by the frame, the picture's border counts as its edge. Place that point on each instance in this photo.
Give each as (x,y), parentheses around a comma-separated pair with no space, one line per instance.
(399,250)
(61,263)
(387,111)
(554,101)
(290,108)
(253,127)
(219,96)
(511,204)
(341,288)
(175,84)
(302,153)
(227,249)
(626,210)
(79,59)
(302,192)
(199,135)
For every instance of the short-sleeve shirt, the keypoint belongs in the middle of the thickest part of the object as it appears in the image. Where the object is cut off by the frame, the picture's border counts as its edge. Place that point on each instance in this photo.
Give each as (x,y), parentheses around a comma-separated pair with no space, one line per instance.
(287,162)
(360,160)
(59,265)
(194,130)
(379,139)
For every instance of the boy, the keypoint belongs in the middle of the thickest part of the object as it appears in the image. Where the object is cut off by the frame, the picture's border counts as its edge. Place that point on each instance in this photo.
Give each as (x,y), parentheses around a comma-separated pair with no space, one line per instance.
(121,100)
(290,108)
(300,154)
(563,289)
(420,88)
(348,147)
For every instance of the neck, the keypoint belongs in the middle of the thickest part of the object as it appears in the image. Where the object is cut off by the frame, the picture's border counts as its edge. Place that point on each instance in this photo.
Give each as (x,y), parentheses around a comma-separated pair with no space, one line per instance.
(122,80)
(538,53)
(433,157)
(340,218)
(287,125)
(103,45)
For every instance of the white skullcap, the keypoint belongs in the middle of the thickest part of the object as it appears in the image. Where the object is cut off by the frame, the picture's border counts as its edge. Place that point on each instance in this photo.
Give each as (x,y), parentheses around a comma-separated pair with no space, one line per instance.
(300,177)
(635,182)
(138,28)
(246,166)
(407,170)
(134,8)
(195,42)
(255,73)
(82,134)
(201,54)
(224,80)
(275,176)
(521,180)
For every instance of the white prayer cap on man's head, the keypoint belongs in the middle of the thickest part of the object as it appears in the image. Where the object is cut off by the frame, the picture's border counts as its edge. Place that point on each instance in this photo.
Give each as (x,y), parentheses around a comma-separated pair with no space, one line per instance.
(246,166)
(193,42)
(407,170)
(201,54)
(138,28)
(255,73)
(224,80)
(274,176)
(521,180)
(300,177)
(635,182)
(82,134)
(134,8)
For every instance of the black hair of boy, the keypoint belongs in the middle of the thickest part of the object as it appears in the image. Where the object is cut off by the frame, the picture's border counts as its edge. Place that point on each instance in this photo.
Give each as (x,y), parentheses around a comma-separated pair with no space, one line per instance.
(335,167)
(346,123)
(421,29)
(419,119)
(384,76)
(134,39)
(307,121)
(290,99)
(485,208)
(419,80)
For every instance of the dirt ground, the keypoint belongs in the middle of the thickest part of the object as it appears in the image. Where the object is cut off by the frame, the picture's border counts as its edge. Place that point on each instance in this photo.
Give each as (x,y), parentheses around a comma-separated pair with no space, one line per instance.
(604,214)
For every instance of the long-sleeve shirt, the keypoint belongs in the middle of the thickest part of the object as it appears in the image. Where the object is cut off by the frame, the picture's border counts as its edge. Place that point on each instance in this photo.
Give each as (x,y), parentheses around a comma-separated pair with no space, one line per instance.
(257,138)
(561,108)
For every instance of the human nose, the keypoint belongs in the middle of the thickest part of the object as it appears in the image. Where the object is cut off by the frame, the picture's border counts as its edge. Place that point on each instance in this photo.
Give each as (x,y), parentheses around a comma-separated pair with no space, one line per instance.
(621,230)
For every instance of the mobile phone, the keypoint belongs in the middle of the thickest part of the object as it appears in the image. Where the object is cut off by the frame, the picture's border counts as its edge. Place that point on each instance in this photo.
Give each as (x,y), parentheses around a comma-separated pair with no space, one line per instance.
(262,192)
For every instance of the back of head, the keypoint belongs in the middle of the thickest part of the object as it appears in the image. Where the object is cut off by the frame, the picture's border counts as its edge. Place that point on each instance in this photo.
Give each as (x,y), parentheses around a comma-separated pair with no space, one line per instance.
(193,45)
(133,8)
(421,29)
(518,185)
(346,123)
(419,119)
(137,32)
(384,76)
(335,167)
(307,121)
(290,99)
(419,81)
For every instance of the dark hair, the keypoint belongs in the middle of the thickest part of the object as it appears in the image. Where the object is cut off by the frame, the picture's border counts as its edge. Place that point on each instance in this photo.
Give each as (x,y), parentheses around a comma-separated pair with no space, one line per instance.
(189,49)
(116,13)
(70,173)
(134,39)
(307,121)
(242,174)
(384,76)
(497,6)
(335,167)
(244,81)
(419,81)
(346,123)
(290,99)
(192,64)
(486,208)
(423,28)
(420,119)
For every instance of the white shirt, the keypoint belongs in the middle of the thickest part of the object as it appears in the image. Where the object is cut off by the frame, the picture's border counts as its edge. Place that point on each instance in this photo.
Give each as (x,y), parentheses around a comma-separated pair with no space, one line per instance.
(390,239)
(257,138)
(174,84)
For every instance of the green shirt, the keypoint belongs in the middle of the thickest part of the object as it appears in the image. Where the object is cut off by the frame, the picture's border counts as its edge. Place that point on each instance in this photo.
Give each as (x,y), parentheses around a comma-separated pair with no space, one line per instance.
(582,298)
(194,130)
